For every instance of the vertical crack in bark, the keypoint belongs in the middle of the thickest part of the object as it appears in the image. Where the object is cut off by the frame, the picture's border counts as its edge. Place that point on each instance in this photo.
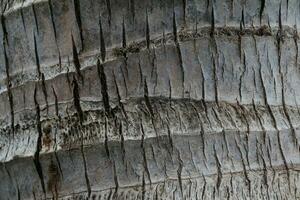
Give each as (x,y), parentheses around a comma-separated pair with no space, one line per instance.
(56,103)
(203,188)
(242,22)
(262,8)
(124,76)
(242,76)
(120,104)
(78,21)
(215,81)
(143,186)
(108,7)
(147,31)
(35,19)
(36,158)
(54,31)
(244,119)
(106,137)
(149,107)
(4,29)
(146,169)
(265,175)
(85,169)
(102,41)
(223,131)
(9,92)
(279,41)
(296,37)
(115,195)
(219,169)
(212,23)
(147,99)
(179,54)
(76,61)
(124,43)
(273,119)
(76,100)
(23,21)
(122,142)
(202,76)
(44,89)
(184,4)
(13,180)
(179,171)
(59,165)
(202,133)
(52,18)
(104,90)
(247,180)
(170,137)
(37,59)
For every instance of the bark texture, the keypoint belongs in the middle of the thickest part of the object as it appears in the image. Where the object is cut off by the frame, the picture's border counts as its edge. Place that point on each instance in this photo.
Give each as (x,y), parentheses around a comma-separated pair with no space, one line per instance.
(149,99)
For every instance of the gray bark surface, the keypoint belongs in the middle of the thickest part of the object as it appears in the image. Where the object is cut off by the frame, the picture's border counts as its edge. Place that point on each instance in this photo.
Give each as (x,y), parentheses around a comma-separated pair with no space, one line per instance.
(149,99)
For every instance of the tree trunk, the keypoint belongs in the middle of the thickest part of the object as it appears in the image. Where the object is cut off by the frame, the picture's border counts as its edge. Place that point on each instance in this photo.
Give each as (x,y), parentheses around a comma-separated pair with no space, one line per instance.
(149,99)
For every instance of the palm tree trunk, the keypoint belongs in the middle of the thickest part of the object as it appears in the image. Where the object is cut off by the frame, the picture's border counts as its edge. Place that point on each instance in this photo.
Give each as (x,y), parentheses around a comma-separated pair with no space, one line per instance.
(149,99)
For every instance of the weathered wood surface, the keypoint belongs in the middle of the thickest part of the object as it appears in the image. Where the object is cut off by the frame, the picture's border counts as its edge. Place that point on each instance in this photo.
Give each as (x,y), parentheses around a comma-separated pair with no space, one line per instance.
(140,99)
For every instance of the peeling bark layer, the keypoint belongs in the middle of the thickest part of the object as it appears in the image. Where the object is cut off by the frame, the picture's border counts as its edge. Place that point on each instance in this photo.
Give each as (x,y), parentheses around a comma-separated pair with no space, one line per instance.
(125,99)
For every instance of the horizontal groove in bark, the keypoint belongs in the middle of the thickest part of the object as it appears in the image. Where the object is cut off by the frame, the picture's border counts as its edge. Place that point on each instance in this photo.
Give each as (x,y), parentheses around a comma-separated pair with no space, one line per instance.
(160,156)
(169,118)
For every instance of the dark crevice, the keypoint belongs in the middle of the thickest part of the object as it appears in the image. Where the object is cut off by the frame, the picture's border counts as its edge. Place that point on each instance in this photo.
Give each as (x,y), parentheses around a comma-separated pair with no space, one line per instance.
(52,18)
(9,92)
(79,22)
(179,171)
(147,31)
(215,77)
(54,31)
(248,182)
(108,6)
(219,169)
(58,163)
(122,142)
(102,42)
(23,20)
(44,89)
(37,59)
(104,90)
(87,181)
(76,61)
(212,28)
(4,30)
(242,76)
(120,104)
(36,158)
(179,54)
(262,8)
(55,102)
(106,137)
(124,43)
(76,100)
(35,19)
(145,162)
(115,180)
(184,4)
(147,99)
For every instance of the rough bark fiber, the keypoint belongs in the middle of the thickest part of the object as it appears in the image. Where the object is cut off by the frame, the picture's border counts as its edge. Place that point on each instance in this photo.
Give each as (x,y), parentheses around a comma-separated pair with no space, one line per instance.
(149,99)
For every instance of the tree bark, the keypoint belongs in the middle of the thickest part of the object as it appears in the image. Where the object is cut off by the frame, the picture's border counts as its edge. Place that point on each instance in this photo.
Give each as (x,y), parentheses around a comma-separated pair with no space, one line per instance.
(149,99)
